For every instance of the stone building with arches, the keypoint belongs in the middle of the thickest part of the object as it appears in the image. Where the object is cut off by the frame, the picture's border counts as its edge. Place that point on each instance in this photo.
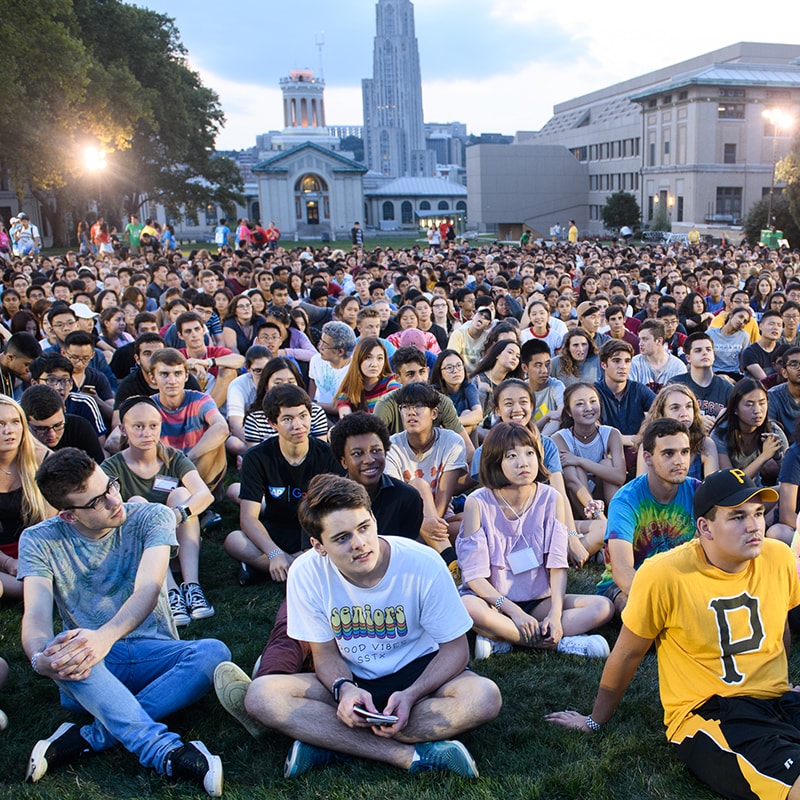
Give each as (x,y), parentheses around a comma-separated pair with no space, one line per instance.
(311,192)
(411,203)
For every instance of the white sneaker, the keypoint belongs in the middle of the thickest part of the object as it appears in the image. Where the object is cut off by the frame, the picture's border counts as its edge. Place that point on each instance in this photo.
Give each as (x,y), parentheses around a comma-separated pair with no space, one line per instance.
(486,647)
(594,646)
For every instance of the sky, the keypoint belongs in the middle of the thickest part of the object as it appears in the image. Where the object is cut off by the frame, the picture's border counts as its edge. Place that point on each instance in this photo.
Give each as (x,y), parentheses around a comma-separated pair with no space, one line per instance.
(497,65)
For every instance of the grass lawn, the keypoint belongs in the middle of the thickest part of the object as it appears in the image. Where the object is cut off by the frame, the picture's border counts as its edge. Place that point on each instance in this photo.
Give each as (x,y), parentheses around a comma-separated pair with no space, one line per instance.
(519,755)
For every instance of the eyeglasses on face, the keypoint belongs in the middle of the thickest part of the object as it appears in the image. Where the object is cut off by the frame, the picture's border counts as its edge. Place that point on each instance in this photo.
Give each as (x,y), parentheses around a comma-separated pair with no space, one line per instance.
(96,503)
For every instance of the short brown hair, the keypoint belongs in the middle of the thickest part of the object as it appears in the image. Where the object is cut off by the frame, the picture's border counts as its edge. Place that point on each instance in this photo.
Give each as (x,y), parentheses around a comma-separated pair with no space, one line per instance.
(170,357)
(328,493)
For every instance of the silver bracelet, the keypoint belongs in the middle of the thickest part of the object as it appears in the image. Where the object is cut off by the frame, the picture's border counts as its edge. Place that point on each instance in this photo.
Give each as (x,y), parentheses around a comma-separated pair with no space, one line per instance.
(34,659)
(573,533)
(592,725)
(275,553)
(500,600)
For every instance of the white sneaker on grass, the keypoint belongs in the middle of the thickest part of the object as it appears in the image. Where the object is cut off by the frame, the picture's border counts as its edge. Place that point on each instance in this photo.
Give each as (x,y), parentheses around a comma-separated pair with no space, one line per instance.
(486,647)
(594,646)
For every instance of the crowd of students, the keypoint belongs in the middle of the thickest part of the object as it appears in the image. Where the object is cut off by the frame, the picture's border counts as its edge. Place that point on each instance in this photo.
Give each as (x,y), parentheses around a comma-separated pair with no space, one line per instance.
(518,411)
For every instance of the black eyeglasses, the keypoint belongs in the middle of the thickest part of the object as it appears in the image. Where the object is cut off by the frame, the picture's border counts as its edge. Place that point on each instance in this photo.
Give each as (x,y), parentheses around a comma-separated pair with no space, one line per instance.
(96,503)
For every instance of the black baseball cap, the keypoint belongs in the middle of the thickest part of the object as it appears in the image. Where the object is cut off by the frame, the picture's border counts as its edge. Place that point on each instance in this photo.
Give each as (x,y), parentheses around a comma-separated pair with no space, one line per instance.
(729,488)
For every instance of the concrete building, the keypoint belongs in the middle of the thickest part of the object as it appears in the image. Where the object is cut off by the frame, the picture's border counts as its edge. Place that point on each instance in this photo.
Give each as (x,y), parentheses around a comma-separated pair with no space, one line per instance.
(524,187)
(689,138)
(394,139)
(413,203)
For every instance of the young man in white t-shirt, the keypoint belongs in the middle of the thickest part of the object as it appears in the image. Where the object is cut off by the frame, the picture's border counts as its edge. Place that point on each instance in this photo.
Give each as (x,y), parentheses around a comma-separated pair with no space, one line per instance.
(387,634)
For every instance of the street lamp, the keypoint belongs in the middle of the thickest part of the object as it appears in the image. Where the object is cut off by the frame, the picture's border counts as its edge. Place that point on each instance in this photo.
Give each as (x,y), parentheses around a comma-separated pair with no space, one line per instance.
(778,118)
(94,159)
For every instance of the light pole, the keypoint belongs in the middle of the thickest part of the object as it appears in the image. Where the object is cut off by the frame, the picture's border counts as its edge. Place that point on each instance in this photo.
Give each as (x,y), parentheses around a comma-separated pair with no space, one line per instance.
(94,160)
(778,118)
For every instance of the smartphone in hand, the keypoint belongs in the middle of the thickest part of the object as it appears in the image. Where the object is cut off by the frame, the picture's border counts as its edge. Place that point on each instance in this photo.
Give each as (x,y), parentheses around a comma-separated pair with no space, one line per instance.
(375,718)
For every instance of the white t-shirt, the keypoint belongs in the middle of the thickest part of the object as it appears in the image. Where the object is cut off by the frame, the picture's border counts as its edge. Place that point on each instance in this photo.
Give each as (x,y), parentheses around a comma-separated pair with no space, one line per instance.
(378,630)
(326,378)
(241,394)
(448,452)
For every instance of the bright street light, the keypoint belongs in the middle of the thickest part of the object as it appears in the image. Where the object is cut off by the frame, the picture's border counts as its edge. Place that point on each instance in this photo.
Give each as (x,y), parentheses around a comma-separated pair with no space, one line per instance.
(94,158)
(778,118)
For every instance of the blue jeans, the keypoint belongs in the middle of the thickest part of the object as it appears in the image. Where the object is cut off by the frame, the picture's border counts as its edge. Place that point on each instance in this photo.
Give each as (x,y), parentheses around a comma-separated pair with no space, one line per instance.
(139,682)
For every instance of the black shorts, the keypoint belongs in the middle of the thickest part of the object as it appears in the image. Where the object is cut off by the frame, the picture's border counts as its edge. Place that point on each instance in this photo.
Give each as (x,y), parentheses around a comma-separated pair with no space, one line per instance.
(744,748)
(383,688)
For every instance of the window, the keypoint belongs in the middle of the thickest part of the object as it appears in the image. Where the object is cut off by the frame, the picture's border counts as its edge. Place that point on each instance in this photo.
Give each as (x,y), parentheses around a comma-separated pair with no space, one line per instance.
(729,202)
(443,205)
(406,213)
(679,209)
(730,154)
(730,111)
(580,152)
(651,103)
(424,206)
(650,206)
(388,210)
(461,205)
(683,95)
(651,159)
(666,148)
(731,93)
(666,100)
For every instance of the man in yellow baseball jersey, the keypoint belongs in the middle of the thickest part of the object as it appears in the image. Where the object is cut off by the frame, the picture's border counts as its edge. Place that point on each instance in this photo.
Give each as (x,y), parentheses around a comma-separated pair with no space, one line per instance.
(716,608)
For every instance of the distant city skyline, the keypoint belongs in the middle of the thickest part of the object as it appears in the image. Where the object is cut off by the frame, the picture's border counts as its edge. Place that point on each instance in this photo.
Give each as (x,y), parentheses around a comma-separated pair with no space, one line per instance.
(497,67)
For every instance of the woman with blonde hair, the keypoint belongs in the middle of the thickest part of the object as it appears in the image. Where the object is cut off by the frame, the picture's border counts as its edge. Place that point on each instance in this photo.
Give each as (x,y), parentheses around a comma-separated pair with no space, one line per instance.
(21,502)
(676,401)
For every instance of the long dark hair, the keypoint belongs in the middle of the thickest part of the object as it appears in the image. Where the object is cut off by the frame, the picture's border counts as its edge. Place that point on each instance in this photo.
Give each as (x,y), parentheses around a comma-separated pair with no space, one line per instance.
(567,421)
(729,425)
(274,365)
(493,353)
(437,379)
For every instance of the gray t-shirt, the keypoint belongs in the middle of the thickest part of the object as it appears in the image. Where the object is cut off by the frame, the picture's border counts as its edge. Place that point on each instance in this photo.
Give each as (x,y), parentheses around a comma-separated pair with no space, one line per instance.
(728,349)
(93,578)
(784,408)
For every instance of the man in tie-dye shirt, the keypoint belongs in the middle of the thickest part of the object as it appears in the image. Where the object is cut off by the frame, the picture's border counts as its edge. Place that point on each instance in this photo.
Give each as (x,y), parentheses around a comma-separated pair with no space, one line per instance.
(651,514)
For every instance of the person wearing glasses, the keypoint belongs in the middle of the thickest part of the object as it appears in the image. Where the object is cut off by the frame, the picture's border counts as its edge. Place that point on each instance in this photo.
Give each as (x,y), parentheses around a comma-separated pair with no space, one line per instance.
(327,369)
(56,371)
(53,427)
(241,394)
(118,656)
(78,348)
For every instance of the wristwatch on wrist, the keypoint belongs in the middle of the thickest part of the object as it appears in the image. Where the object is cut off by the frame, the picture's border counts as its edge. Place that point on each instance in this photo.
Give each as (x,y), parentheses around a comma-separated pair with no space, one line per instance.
(336,688)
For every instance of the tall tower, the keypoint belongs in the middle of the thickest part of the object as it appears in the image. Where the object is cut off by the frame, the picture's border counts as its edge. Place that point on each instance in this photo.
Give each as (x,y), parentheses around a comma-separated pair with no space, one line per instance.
(393,123)
(303,112)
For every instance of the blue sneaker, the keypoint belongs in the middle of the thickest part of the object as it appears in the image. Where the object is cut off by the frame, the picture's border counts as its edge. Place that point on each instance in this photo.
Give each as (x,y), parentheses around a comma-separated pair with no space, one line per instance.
(303,757)
(448,755)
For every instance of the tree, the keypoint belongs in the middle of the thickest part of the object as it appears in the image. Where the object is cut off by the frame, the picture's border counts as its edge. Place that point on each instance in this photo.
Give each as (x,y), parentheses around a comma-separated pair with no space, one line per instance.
(756,219)
(355,145)
(621,209)
(788,170)
(103,73)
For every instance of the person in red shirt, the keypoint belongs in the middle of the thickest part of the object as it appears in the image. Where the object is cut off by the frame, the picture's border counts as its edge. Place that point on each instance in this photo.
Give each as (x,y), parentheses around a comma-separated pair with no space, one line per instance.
(214,367)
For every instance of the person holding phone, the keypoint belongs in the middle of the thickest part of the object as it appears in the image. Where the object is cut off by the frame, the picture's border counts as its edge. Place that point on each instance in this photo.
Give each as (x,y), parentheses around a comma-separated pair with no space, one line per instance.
(388,634)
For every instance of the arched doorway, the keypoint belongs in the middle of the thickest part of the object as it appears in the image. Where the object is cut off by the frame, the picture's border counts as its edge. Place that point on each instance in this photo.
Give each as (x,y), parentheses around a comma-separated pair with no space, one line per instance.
(312,201)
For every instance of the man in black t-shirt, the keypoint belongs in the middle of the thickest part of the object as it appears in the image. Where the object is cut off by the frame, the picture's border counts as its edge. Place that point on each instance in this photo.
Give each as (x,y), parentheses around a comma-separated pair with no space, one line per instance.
(712,391)
(54,428)
(277,472)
